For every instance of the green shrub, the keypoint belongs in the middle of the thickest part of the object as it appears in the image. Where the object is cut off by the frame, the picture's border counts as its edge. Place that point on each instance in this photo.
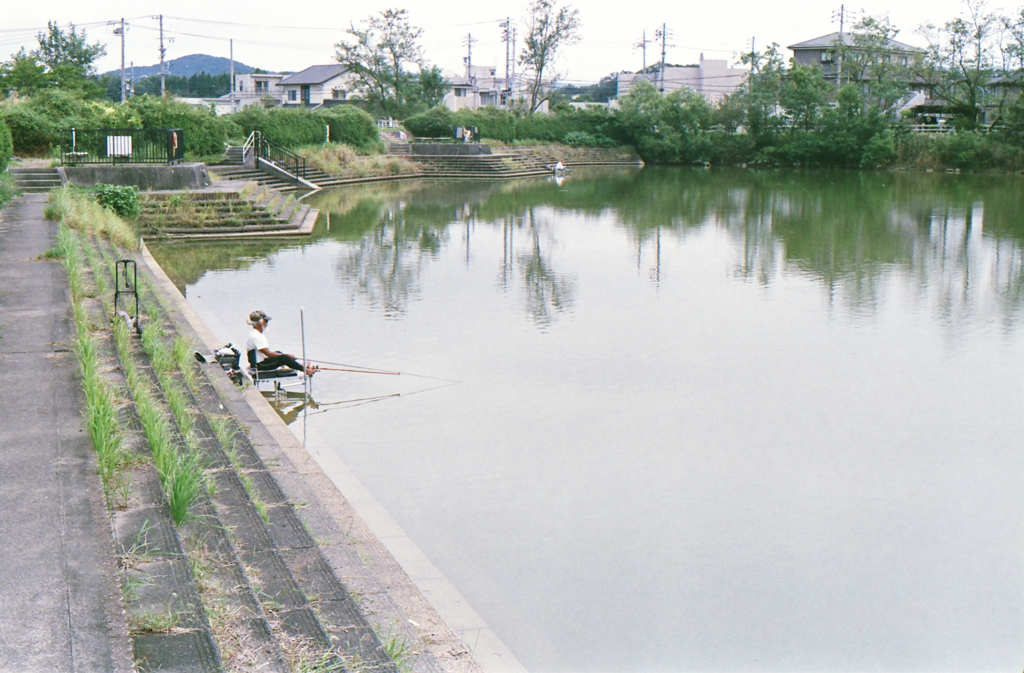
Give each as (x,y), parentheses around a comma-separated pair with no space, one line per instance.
(6,145)
(31,132)
(437,122)
(352,126)
(204,132)
(965,149)
(123,201)
(584,139)
(880,150)
(288,127)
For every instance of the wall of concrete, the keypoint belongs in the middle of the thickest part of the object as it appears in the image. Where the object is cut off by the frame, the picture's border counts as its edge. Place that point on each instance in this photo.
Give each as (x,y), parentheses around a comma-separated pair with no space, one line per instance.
(450,149)
(146,178)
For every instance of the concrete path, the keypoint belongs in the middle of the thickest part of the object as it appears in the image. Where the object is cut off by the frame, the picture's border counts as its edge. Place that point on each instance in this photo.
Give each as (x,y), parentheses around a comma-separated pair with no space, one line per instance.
(61,605)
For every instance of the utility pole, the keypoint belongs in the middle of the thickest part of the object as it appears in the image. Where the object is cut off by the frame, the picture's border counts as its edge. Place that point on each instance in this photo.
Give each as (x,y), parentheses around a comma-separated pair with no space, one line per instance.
(642,45)
(663,34)
(231,53)
(469,54)
(163,50)
(840,16)
(506,37)
(119,30)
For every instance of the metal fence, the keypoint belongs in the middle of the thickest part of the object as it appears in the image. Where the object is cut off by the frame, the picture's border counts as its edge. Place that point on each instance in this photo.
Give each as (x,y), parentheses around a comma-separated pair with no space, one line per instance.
(122,146)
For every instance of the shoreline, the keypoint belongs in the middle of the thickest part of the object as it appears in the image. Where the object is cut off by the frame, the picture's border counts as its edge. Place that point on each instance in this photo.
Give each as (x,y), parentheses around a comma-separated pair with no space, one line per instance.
(369,551)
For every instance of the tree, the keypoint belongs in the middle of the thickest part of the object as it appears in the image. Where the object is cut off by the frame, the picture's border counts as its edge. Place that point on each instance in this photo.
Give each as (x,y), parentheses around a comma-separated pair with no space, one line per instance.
(23,74)
(960,58)
(68,57)
(63,59)
(760,94)
(883,73)
(378,56)
(433,87)
(803,95)
(549,28)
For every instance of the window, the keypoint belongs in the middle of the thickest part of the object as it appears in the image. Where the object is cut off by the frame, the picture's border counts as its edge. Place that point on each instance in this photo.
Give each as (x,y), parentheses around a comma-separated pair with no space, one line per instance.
(260,86)
(827,57)
(460,92)
(292,95)
(337,94)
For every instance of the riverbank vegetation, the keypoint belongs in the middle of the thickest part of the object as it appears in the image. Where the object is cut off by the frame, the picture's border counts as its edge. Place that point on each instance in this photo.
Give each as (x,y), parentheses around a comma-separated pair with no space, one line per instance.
(785,114)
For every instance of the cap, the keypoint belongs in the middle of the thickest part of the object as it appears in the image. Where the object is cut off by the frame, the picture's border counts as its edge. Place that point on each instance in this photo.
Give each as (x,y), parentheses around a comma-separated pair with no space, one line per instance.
(257,316)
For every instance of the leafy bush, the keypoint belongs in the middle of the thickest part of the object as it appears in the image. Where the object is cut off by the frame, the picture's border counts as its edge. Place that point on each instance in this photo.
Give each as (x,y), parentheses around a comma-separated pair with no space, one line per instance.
(204,132)
(436,122)
(584,139)
(965,149)
(31,132)
(880,150)
(6,145)
(123,201)
(288,127)
(352,126)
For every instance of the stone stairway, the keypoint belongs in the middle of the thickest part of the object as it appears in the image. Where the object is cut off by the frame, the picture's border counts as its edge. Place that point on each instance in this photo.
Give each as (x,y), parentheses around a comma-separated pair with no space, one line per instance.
(177,215)
(250,174)
(482,166)
(35,180)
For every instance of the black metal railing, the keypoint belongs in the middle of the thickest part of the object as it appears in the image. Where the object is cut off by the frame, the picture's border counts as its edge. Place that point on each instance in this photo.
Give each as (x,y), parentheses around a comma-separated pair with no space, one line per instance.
(279,156)
(122,146)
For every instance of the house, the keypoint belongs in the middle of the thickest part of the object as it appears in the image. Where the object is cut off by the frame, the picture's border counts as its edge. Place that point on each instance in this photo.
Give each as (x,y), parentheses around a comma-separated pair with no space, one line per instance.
(823,52)
(712,78)
(479,87)
(316,85)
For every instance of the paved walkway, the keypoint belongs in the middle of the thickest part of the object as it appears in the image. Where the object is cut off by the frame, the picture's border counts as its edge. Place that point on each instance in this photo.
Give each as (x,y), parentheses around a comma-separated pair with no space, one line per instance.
(58,589)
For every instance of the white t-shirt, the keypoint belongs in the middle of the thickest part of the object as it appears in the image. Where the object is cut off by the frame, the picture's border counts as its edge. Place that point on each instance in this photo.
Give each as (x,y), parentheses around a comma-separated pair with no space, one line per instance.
(256,341)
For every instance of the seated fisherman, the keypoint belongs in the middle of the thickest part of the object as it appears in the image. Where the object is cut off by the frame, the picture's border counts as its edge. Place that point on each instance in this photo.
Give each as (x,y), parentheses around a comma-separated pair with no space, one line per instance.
(261,356)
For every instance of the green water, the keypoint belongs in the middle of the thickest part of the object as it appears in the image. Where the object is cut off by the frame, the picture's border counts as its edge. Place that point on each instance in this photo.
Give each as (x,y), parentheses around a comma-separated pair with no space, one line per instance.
(704,420)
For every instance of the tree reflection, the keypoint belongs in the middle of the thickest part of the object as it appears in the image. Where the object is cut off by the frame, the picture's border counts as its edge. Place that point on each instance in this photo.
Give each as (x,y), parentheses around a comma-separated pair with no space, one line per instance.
(957,239)
(547,293)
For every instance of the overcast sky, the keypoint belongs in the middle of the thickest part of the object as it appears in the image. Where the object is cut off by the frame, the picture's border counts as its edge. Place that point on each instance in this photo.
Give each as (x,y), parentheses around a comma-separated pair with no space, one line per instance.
(292,35)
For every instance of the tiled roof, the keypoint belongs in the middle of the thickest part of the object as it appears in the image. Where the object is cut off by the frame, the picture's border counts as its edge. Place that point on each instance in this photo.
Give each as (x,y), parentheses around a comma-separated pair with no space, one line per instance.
(314,74)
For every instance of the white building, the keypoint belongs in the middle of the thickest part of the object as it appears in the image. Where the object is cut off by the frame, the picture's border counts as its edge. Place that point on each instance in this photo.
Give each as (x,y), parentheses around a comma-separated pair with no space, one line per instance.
(315,84)
(712,78)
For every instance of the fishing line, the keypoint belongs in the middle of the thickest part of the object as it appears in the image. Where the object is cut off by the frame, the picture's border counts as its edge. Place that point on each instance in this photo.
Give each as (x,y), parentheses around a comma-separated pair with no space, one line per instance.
(359,401)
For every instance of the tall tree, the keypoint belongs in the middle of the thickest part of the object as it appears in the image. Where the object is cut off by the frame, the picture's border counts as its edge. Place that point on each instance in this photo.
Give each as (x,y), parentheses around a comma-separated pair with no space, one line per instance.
(549,28)
(378,54)
(883,72)
(68,57)
(63,59)
(960,59)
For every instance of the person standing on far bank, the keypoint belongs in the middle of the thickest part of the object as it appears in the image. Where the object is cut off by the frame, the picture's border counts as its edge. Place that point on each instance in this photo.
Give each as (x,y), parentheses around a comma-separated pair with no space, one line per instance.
(261,356)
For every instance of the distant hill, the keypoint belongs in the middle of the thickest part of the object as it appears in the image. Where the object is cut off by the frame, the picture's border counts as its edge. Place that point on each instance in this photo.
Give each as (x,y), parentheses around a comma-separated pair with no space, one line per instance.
(186,66)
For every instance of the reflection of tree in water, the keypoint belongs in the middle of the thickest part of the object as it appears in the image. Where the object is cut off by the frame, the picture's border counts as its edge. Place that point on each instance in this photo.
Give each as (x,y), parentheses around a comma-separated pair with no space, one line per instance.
(850,231)
(386,264)
(547,293)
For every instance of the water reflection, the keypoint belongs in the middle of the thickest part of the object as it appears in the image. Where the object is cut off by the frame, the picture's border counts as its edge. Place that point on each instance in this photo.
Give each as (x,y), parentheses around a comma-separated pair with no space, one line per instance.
(708,420)
(957,238)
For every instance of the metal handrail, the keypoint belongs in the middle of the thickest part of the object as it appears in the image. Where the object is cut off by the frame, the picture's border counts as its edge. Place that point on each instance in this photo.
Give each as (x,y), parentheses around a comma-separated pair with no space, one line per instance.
(279,156)
(248,145)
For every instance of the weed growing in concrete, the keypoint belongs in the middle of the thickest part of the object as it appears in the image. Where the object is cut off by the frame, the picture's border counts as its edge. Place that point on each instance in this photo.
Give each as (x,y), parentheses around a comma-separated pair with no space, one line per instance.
(153,621)
(101,414)
(76,210)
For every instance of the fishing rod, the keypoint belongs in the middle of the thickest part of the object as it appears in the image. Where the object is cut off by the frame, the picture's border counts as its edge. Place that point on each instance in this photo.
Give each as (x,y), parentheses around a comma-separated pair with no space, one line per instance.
(359,369)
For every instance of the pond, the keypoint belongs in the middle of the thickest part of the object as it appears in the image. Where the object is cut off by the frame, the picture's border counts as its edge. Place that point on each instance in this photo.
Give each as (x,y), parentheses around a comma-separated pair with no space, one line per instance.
(677,420)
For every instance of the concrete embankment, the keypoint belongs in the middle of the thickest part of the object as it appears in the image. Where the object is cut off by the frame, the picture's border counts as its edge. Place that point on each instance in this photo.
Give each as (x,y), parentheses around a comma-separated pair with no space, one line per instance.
(400,590)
